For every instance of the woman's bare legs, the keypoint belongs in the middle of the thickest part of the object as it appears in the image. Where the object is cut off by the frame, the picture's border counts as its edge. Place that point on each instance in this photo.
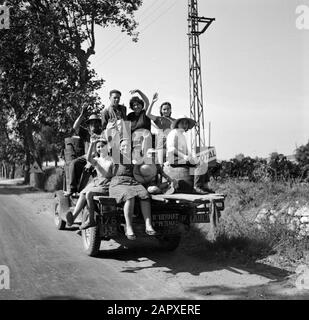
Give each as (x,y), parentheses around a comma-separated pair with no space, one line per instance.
(89,198)
(79,205)
(78,208)
(146,211)
(128,210)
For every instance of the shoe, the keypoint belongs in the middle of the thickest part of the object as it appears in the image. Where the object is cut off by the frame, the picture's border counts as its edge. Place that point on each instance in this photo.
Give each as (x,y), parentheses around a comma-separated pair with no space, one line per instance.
(151,232)
(69,218)
(200,191)
(87,225)
(130,236)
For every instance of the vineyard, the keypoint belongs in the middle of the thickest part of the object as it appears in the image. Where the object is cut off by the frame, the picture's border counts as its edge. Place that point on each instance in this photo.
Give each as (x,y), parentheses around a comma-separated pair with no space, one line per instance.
(276,168)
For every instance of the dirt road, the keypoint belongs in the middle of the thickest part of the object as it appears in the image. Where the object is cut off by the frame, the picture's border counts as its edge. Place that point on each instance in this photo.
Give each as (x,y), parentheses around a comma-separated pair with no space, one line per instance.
(46,263)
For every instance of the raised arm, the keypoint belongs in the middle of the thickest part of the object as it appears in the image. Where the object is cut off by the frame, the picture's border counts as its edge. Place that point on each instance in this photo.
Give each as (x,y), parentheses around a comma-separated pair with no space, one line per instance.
(143,96)
(148,112)
(79,120)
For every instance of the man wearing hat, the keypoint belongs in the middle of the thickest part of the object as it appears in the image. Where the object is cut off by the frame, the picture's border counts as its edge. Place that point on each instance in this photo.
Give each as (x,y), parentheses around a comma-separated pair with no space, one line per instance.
(77,165)
(179,156)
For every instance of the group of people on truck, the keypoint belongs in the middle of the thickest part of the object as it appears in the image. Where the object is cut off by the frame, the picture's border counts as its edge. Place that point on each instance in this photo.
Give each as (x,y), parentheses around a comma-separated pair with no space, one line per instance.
(128,163)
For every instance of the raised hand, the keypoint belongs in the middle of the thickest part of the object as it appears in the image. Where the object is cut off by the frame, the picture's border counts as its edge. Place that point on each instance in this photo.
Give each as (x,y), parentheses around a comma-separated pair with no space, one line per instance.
(84,108)
(134,91)
(155,97)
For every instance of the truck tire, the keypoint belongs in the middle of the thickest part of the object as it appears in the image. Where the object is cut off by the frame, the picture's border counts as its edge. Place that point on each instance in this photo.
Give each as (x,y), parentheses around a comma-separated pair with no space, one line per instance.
(60,224)
(169,242)
(90,237)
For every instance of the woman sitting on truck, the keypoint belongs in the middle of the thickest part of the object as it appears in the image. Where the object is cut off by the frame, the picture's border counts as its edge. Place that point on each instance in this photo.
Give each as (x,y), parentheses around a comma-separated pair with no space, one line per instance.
(124,188)
(98,186)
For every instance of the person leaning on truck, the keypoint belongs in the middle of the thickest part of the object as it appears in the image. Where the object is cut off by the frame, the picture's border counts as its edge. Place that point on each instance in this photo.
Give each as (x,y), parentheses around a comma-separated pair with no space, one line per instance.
(77,165)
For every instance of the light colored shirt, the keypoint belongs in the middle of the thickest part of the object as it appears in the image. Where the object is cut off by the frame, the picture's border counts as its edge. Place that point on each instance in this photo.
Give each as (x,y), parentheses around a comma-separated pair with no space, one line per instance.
(176,141)
(103,167)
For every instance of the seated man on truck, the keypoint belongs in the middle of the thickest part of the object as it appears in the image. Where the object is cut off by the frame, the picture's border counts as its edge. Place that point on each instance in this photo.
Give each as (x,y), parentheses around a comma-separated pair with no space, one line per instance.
(77,165)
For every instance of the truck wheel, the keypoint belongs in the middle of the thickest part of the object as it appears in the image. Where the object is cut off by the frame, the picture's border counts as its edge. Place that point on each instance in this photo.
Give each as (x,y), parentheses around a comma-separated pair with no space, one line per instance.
(169,242)
(90,237)
(60,224)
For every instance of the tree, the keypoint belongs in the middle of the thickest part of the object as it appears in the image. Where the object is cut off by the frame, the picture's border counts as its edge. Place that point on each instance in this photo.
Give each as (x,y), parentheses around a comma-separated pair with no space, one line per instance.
(302,155)
(44,62)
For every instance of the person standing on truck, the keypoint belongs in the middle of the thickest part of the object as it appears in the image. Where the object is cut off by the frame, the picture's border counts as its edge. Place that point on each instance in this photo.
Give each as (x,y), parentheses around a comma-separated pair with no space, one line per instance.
(98,186)
(163,123)
(77,165)
(113,122)
(140,123)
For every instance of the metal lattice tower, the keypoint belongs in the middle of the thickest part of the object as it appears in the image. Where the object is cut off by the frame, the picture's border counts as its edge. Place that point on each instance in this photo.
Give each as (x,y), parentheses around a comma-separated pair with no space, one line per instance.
(196,93)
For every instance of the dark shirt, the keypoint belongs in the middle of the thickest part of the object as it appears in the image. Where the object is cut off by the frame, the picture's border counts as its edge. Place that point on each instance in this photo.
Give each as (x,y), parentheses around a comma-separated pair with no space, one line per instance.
(85,137)
(112,114)
(164,123)
(140,121)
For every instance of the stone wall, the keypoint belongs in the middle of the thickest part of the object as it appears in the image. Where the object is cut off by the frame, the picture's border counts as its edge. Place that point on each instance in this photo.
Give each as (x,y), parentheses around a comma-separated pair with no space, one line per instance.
(295,216)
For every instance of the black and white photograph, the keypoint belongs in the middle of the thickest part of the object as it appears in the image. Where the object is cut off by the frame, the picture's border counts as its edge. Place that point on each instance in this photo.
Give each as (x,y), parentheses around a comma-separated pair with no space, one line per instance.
(154,154)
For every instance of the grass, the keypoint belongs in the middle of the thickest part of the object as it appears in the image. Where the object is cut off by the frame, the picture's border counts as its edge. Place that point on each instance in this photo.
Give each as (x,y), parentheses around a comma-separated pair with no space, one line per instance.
(238,236)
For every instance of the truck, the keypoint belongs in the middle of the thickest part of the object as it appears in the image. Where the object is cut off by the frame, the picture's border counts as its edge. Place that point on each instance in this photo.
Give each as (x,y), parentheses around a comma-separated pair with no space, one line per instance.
(171,215)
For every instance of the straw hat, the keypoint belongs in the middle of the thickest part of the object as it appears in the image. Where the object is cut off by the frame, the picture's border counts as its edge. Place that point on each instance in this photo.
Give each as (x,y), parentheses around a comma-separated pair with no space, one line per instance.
(92,118)
(191,122)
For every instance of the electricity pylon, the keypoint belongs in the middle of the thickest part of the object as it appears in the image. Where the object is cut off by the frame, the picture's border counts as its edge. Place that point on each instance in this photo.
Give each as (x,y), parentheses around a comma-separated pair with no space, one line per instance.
(196,93)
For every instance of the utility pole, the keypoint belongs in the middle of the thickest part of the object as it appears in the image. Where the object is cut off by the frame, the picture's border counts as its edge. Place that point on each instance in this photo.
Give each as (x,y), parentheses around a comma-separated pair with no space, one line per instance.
(196,93)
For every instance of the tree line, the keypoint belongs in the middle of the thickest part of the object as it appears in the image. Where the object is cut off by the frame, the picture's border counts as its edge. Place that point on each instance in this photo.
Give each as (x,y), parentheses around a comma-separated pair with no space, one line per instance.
(276,168)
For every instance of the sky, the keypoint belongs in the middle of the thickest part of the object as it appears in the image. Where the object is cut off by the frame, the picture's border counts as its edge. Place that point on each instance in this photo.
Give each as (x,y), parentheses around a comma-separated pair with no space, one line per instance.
(255,70)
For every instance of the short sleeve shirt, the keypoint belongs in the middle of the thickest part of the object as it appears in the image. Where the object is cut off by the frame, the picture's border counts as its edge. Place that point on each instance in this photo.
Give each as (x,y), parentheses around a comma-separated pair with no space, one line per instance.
(176,141)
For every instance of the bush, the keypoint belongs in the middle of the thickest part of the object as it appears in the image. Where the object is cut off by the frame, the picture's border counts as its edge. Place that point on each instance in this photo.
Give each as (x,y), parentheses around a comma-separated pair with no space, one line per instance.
(53,179)
(238,233)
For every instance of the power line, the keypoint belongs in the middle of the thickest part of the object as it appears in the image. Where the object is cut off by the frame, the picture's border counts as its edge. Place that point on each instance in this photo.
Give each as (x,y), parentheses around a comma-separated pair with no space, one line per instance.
(117,40)
(145,28)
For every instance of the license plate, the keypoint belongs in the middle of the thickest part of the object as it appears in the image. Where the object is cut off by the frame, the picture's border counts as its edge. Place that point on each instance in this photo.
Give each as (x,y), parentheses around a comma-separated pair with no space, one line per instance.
(165,219)
(199,218)
(167,223)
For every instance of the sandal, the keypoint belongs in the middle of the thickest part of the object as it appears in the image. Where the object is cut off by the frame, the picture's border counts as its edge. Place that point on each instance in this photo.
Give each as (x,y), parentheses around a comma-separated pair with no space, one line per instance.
(130,236)
(69,217)
(151,232)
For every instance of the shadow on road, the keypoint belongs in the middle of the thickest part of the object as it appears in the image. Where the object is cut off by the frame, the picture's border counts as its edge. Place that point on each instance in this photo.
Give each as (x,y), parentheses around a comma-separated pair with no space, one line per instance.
(185,259)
